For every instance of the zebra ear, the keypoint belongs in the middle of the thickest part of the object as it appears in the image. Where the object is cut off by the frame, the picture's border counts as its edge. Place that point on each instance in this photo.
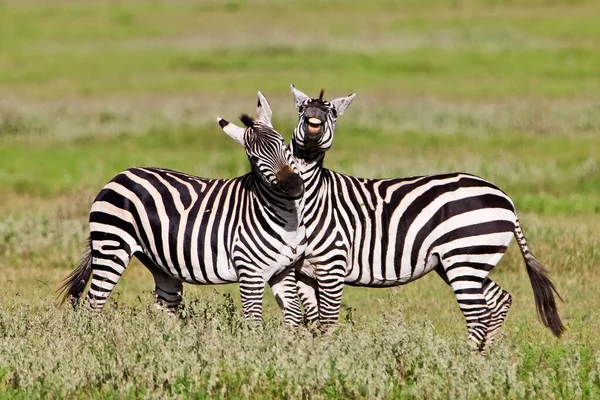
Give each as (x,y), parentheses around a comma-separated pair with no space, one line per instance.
(263,110)
(232,130)
(342,103)
(299,97)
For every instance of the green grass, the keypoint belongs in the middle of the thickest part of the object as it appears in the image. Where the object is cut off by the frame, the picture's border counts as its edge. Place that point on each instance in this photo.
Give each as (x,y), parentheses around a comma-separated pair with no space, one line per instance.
(547,175)
(137,352)
(378,359)
(160,48)
(505,89)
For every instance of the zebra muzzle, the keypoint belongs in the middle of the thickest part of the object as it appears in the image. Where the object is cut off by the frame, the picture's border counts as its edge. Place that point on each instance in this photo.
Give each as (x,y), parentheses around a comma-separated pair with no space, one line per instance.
(290,183)
(314,125)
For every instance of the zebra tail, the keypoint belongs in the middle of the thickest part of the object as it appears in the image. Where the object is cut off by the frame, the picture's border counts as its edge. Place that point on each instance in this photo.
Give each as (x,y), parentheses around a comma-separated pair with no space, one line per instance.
(74,285)
(543,287)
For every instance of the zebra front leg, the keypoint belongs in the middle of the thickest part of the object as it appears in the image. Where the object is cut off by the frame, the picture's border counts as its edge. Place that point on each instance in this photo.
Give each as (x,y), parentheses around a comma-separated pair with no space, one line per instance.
(331,286)
(284,289)
(252,290)
(308,291)
(499,302)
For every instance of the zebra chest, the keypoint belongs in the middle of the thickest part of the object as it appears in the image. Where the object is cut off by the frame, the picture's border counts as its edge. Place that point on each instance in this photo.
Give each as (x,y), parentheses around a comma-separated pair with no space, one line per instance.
(292,246)
(273,253)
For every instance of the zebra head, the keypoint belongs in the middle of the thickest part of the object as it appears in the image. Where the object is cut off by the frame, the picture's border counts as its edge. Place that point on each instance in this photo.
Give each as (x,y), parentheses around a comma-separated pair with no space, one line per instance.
(270,158)
(316,121)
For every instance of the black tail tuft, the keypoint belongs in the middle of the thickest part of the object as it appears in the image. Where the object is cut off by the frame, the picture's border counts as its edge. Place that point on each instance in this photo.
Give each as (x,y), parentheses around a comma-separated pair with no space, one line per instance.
(543,291)
(74,285)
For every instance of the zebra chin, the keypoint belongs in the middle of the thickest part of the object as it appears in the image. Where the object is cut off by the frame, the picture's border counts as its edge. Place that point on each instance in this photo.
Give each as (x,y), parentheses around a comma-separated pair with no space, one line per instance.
(290,183)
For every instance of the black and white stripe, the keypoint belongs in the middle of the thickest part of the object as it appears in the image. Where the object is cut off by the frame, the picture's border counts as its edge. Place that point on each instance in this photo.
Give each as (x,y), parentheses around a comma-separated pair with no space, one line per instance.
(386,232)
(202,231)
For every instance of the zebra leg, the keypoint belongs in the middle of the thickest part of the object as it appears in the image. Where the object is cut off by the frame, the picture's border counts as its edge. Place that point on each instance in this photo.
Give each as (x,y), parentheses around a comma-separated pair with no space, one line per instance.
(252,290)
(499,302)
(468,288)
(284,289)
(110,256)
(309,296)
(168,291)
(331,285)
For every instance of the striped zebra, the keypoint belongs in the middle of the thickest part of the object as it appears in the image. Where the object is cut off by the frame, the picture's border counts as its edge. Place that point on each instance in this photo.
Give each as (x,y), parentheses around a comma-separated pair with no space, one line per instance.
(388,232)
(202,231)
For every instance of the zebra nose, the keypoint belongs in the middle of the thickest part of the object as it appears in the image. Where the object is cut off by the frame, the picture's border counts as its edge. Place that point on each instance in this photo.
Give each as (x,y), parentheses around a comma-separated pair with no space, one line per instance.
(290,182)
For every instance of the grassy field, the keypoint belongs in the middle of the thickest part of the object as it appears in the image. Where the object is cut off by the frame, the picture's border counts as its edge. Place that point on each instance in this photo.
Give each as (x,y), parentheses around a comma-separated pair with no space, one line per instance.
(506,89)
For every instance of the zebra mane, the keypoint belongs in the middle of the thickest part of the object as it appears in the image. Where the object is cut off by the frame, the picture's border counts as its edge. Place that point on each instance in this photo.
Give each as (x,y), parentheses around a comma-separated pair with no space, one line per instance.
(321,94)
(247,120)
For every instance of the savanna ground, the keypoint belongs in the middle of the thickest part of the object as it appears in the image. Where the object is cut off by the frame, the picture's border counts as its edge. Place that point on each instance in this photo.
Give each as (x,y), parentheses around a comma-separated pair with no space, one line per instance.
(506,89)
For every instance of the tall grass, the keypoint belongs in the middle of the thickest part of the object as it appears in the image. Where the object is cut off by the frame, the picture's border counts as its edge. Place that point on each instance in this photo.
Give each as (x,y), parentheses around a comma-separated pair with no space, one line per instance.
(211,351)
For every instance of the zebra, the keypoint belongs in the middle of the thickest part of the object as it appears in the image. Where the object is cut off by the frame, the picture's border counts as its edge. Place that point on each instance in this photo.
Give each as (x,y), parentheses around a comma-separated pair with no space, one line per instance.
(388,232)
(196,230)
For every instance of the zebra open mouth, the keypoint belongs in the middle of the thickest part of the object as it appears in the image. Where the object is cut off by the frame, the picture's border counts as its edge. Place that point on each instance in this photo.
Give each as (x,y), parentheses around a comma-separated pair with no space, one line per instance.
(314,125)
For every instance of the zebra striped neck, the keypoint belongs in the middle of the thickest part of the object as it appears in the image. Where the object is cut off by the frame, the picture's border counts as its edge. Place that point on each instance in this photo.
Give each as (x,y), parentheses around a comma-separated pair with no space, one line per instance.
(284,211)
(286,215)
(309,154)
(310,162)
(312,172)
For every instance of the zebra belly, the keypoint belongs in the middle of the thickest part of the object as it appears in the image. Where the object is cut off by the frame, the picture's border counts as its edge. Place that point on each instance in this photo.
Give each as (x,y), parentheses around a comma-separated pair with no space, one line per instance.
(378,275)
(196,276)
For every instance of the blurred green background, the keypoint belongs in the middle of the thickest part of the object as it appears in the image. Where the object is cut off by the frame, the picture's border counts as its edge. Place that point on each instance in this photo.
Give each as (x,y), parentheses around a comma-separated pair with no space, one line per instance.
(505,89)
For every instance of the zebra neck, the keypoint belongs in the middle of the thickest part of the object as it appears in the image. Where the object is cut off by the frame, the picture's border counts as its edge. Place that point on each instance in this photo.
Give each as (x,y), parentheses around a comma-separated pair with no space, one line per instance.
(307,154)
(315,182)
(310,164)
(273,206)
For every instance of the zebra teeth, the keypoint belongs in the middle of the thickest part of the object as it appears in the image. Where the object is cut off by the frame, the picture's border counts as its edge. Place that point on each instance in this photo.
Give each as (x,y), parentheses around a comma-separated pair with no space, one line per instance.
(314,125)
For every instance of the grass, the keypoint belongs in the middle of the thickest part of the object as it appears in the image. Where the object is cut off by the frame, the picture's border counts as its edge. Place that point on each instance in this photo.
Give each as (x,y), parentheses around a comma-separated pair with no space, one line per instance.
(160,48)
(505,89)
(143,353)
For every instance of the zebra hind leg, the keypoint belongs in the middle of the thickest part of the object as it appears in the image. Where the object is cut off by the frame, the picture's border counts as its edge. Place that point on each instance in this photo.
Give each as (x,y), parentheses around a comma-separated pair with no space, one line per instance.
(499,302)
(469,293)
(110,256)
(168,291)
